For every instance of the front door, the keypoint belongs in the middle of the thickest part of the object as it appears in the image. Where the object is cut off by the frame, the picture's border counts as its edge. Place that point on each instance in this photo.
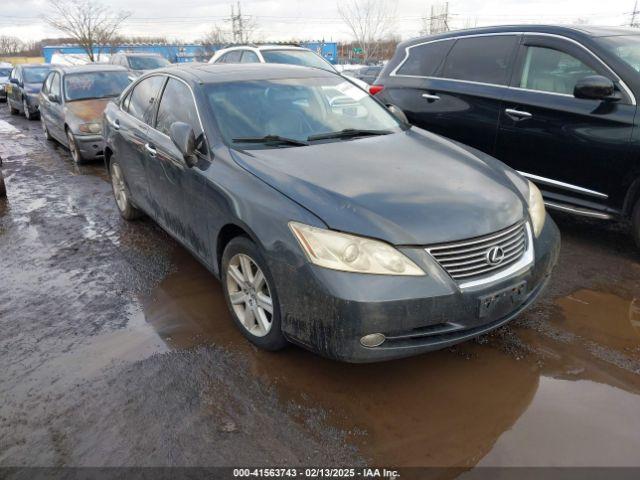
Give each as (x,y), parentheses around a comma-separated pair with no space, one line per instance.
(571,147)
(179,190)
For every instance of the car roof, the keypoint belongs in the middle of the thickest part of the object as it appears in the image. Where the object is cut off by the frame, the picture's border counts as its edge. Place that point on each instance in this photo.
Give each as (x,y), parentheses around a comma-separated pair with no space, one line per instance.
(139,54)
(229,72)
(263,47)
(572,31)
(35,65)
(92,67)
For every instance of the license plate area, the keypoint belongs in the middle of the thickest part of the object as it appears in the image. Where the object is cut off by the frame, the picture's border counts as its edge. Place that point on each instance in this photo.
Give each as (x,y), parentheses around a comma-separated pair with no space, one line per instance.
(500,303)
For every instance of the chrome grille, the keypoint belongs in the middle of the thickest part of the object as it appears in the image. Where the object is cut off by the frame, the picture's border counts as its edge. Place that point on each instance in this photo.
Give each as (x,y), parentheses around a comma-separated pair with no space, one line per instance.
(471,258)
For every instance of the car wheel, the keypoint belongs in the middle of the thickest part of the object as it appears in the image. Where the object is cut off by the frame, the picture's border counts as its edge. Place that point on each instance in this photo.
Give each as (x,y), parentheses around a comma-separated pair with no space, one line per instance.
(3,188)
(635,223)
(45,130)
(251,294)
(121,193)
(27,114)
(73,149)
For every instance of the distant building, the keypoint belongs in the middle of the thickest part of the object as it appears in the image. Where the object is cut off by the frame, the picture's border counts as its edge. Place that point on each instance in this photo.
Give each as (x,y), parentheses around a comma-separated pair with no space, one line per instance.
(176,53)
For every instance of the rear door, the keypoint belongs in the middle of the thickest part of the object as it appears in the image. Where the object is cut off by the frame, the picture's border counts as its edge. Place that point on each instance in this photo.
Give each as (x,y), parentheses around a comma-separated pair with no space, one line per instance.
(55,110)
(131,124)
(455,87)
(570,146)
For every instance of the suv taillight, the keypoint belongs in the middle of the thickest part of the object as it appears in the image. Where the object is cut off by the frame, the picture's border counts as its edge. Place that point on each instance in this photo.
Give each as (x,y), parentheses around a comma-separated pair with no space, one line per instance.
(373,89)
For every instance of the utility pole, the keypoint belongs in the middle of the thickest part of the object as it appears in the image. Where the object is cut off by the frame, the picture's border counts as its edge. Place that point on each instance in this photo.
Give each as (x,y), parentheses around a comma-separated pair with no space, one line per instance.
(240,26)
(634,15)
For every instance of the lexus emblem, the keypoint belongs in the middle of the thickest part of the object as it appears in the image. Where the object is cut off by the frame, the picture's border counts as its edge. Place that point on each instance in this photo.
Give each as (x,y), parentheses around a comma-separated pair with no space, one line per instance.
(494,255)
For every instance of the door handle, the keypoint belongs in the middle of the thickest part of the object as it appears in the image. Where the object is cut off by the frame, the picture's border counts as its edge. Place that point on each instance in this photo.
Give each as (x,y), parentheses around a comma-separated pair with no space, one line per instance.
(517,115)
(115,124)
(430,97)
(151,149)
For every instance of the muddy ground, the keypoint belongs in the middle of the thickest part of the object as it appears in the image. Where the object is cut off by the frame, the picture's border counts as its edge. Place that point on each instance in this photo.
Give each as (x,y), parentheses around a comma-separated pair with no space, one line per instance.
(116,348)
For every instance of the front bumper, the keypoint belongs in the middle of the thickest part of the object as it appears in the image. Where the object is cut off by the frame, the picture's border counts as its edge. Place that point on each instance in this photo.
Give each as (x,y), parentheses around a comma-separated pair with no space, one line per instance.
(91,147)
(329,311)
(3,92)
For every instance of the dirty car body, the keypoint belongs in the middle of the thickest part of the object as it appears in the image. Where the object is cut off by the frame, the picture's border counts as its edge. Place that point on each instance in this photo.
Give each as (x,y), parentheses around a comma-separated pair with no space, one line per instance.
(436,242)
(72,100)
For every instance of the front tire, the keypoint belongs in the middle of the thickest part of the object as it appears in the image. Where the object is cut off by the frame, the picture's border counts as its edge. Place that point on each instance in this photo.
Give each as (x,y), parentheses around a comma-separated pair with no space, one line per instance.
(251,295)
(27,114)
(635,223)
(45,130)
(121,193)
(73,149)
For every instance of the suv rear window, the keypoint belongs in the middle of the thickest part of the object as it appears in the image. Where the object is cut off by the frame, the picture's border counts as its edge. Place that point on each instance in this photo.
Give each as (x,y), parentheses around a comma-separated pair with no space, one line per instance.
(481,59)
(424,60)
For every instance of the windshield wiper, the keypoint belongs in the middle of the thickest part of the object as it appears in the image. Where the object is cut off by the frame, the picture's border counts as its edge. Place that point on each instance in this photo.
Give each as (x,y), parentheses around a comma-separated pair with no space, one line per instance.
(271,139)
(348,133)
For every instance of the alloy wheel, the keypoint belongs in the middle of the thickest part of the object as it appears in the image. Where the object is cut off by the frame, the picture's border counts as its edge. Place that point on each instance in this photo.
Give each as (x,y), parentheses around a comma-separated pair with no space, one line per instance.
(25,106)
(250,295)
(73,148)
(119,189)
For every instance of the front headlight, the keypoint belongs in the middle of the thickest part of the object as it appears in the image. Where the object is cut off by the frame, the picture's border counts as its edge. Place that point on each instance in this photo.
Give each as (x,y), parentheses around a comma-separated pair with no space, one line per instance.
(349,253)
(537,211)
(90,128)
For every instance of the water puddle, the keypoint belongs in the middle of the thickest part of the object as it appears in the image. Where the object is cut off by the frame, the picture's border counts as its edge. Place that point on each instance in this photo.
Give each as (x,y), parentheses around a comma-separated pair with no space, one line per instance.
(458,407)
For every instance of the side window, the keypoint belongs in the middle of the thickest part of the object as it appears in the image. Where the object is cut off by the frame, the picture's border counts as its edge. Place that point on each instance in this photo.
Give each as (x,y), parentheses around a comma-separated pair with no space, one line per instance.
(55,84)
(176,105)
(481,59)
(19,75)
(232,57)
(550,70)
(141,101)
(249,57)
(424,60)
(46,86)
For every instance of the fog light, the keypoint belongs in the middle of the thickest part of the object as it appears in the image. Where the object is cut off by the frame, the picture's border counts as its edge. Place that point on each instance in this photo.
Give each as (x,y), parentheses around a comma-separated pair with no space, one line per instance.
(372,340)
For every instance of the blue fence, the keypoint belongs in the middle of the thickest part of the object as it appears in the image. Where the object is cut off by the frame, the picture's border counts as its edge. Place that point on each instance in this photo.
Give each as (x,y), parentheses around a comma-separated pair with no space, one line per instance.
(179,53)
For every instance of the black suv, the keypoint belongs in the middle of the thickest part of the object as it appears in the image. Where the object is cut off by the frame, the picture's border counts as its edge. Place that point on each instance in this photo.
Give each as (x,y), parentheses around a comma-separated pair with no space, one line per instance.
(558,104)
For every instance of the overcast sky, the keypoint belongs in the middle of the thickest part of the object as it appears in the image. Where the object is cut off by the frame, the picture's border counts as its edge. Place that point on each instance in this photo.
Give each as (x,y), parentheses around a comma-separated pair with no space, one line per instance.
(312,19)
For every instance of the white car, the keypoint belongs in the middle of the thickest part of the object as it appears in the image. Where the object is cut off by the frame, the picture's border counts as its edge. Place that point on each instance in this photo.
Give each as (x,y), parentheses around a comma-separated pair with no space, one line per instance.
(5,71)
(278,54)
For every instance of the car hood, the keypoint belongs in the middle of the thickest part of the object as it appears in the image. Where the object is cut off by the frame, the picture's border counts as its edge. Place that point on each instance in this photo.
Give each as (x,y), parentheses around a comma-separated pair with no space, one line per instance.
(32,88)
(87,111)
(408,188)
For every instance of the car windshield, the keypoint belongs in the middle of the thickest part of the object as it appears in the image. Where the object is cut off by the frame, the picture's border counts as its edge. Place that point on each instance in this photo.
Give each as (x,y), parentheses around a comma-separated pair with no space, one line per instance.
(82,86)
(5,72)
(305,58)
(626,47)
(35,74)
(147,63)
(290,112)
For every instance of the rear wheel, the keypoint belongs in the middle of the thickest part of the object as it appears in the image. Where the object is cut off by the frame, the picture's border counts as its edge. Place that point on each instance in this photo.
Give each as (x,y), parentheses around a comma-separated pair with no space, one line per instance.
(121,193)
(250,294)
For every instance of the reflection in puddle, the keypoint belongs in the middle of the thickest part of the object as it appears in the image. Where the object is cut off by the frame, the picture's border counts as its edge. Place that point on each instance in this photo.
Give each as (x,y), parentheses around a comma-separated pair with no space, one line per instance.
(577,423)
(448,408)
(604,318)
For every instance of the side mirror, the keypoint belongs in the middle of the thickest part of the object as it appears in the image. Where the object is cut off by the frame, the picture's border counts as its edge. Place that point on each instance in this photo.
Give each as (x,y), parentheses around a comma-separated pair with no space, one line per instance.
(184,139)
(595,87)
(398,113)
(14,80)
(53,98)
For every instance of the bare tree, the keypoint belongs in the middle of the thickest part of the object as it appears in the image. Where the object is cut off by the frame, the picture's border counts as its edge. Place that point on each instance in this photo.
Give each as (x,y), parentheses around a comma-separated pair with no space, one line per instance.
(217,36)
(10,45)
(369,21)
(88,22)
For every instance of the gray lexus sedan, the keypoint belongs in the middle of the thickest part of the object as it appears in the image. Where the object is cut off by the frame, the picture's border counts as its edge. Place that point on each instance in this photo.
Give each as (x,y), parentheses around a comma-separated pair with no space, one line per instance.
(330,222)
